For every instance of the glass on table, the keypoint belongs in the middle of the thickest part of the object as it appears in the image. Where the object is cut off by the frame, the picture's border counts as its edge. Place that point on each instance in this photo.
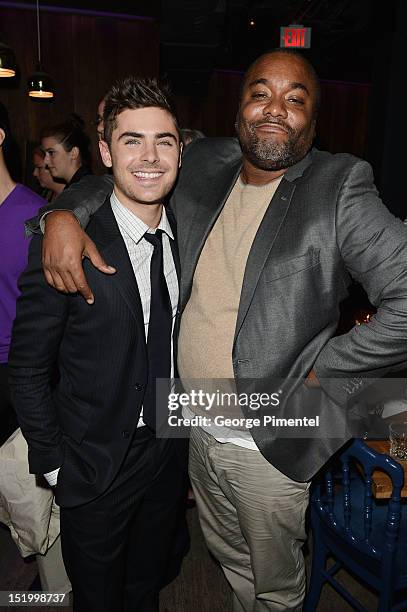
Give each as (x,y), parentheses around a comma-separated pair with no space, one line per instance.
(398,440)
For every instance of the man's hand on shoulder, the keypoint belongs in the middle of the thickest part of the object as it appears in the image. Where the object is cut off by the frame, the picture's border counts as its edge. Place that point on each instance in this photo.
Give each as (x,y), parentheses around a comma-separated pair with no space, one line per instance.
(65,244)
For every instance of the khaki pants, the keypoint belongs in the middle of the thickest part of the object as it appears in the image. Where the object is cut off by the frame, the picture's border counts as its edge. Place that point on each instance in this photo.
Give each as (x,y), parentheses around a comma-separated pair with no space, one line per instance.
(28,509)
(252,517)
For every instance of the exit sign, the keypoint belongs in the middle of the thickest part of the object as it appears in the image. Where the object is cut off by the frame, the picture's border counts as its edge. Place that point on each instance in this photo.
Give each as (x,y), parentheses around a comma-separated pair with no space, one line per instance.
(295,36)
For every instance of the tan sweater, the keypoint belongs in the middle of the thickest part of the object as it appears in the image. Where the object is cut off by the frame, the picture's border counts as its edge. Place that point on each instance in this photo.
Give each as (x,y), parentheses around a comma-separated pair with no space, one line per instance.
(209,319)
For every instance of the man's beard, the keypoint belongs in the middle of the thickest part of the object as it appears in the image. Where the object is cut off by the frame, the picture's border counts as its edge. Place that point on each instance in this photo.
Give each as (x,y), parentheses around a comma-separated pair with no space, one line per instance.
(266,154)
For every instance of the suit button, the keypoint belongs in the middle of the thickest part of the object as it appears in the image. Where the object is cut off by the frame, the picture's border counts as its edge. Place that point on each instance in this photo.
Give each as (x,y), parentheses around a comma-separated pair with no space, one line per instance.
(125,434)
(138,387)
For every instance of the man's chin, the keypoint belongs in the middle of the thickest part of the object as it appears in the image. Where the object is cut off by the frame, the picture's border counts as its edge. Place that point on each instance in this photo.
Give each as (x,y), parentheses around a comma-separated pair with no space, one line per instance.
(270,163)
(273,158)
(146,199)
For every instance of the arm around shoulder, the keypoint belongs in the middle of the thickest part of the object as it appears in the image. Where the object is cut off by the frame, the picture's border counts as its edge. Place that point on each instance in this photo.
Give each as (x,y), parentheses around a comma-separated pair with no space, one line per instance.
(82,198)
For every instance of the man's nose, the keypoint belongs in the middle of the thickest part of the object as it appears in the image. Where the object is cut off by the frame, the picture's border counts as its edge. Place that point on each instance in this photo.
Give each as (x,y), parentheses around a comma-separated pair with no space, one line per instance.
(150,153)
(276,108)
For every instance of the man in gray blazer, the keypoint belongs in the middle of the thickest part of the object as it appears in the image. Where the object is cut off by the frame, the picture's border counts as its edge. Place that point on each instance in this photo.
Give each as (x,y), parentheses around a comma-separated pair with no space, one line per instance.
(268,243)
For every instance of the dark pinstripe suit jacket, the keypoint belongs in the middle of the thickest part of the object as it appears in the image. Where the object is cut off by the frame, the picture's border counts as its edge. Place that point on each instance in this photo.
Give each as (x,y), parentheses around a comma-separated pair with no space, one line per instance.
(86,423)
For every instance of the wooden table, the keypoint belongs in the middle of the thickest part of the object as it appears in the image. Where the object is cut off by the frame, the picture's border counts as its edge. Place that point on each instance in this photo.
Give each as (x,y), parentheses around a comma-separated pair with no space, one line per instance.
(381,486)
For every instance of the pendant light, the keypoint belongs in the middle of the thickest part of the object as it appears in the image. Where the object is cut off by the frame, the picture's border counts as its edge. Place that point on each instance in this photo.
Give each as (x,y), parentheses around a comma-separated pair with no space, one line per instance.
(40,84)
(7,61)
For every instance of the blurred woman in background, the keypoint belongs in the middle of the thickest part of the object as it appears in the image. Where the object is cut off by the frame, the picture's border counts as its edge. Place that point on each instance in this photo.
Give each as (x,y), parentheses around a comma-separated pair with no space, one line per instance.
(50,188)
(66,148)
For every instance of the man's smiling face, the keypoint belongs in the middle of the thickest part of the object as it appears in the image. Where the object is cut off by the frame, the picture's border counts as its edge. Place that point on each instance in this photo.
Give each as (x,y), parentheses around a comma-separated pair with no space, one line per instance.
(276,118)
(144,154)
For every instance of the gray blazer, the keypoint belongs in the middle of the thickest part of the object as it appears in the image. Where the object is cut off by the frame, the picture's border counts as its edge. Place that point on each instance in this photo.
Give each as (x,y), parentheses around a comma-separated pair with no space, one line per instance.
(324,224)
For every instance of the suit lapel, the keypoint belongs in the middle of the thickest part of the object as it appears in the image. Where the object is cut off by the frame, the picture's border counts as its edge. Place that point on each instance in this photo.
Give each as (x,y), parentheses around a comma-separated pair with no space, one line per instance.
(266,236)
(174,243)
(208,210)
(262,245)
(105,232)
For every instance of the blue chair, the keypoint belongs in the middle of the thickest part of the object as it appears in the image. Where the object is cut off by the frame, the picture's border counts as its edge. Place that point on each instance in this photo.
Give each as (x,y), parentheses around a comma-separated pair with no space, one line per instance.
(363,535)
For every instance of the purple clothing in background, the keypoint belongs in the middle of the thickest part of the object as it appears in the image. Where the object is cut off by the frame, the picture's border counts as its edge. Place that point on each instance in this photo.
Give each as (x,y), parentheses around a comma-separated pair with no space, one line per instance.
(20,204)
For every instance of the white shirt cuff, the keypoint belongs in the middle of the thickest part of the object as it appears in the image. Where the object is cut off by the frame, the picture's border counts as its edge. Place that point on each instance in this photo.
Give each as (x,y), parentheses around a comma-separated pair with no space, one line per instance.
(52,477)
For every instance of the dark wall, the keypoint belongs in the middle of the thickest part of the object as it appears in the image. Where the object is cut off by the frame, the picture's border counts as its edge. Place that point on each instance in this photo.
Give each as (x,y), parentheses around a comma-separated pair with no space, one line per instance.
(388,133)
(83,53)
(214,114)
(342,121)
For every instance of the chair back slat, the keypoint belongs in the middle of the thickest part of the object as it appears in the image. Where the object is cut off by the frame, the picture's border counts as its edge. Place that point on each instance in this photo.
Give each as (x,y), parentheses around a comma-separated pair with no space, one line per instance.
(347,508)
(329,485)
(367,519)
(392,524)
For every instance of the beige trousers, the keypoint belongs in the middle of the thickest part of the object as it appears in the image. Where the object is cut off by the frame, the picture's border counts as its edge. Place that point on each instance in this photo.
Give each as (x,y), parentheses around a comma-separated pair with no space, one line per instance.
(252,517)
(28,508)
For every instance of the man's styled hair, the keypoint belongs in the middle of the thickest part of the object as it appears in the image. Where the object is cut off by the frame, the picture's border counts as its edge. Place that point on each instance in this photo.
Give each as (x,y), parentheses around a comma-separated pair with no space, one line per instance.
(132,93)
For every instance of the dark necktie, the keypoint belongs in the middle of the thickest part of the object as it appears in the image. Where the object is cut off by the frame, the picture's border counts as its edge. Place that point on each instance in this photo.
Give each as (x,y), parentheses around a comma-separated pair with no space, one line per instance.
(159,332)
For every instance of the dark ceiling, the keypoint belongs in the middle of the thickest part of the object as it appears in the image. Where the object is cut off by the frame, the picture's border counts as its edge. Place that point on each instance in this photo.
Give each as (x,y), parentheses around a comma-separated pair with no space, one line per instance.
(345,33)
(200,35)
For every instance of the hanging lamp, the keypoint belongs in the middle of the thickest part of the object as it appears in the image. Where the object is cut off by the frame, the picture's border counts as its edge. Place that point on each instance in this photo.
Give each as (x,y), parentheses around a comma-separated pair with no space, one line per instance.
(7,61)
(40,84)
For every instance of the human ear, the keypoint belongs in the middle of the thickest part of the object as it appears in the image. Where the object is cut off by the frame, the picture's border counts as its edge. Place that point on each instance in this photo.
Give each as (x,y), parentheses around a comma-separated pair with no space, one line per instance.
(105,153)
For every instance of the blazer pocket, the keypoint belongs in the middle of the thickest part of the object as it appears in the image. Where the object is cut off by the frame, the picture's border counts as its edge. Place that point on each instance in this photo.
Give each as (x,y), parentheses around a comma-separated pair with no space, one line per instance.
(274,271)
(74,415)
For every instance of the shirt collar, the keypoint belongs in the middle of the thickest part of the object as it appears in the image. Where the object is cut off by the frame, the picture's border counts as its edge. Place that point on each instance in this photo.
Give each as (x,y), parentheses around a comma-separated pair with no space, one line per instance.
(132,225)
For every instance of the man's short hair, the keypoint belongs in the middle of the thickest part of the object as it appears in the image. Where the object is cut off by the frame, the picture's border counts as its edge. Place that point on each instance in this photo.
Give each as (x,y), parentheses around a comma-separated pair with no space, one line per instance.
(299,55)
(132,93)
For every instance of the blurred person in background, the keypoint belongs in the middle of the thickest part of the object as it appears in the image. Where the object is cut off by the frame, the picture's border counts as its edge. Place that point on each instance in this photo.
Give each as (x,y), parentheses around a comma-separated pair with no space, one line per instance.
(50,188)
(16,201)
(99,118)
(67,153)
(189,135)
(27,508)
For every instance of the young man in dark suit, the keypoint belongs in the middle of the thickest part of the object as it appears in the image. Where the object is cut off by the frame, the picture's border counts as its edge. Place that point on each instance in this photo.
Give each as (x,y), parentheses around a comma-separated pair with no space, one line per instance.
(121,487)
